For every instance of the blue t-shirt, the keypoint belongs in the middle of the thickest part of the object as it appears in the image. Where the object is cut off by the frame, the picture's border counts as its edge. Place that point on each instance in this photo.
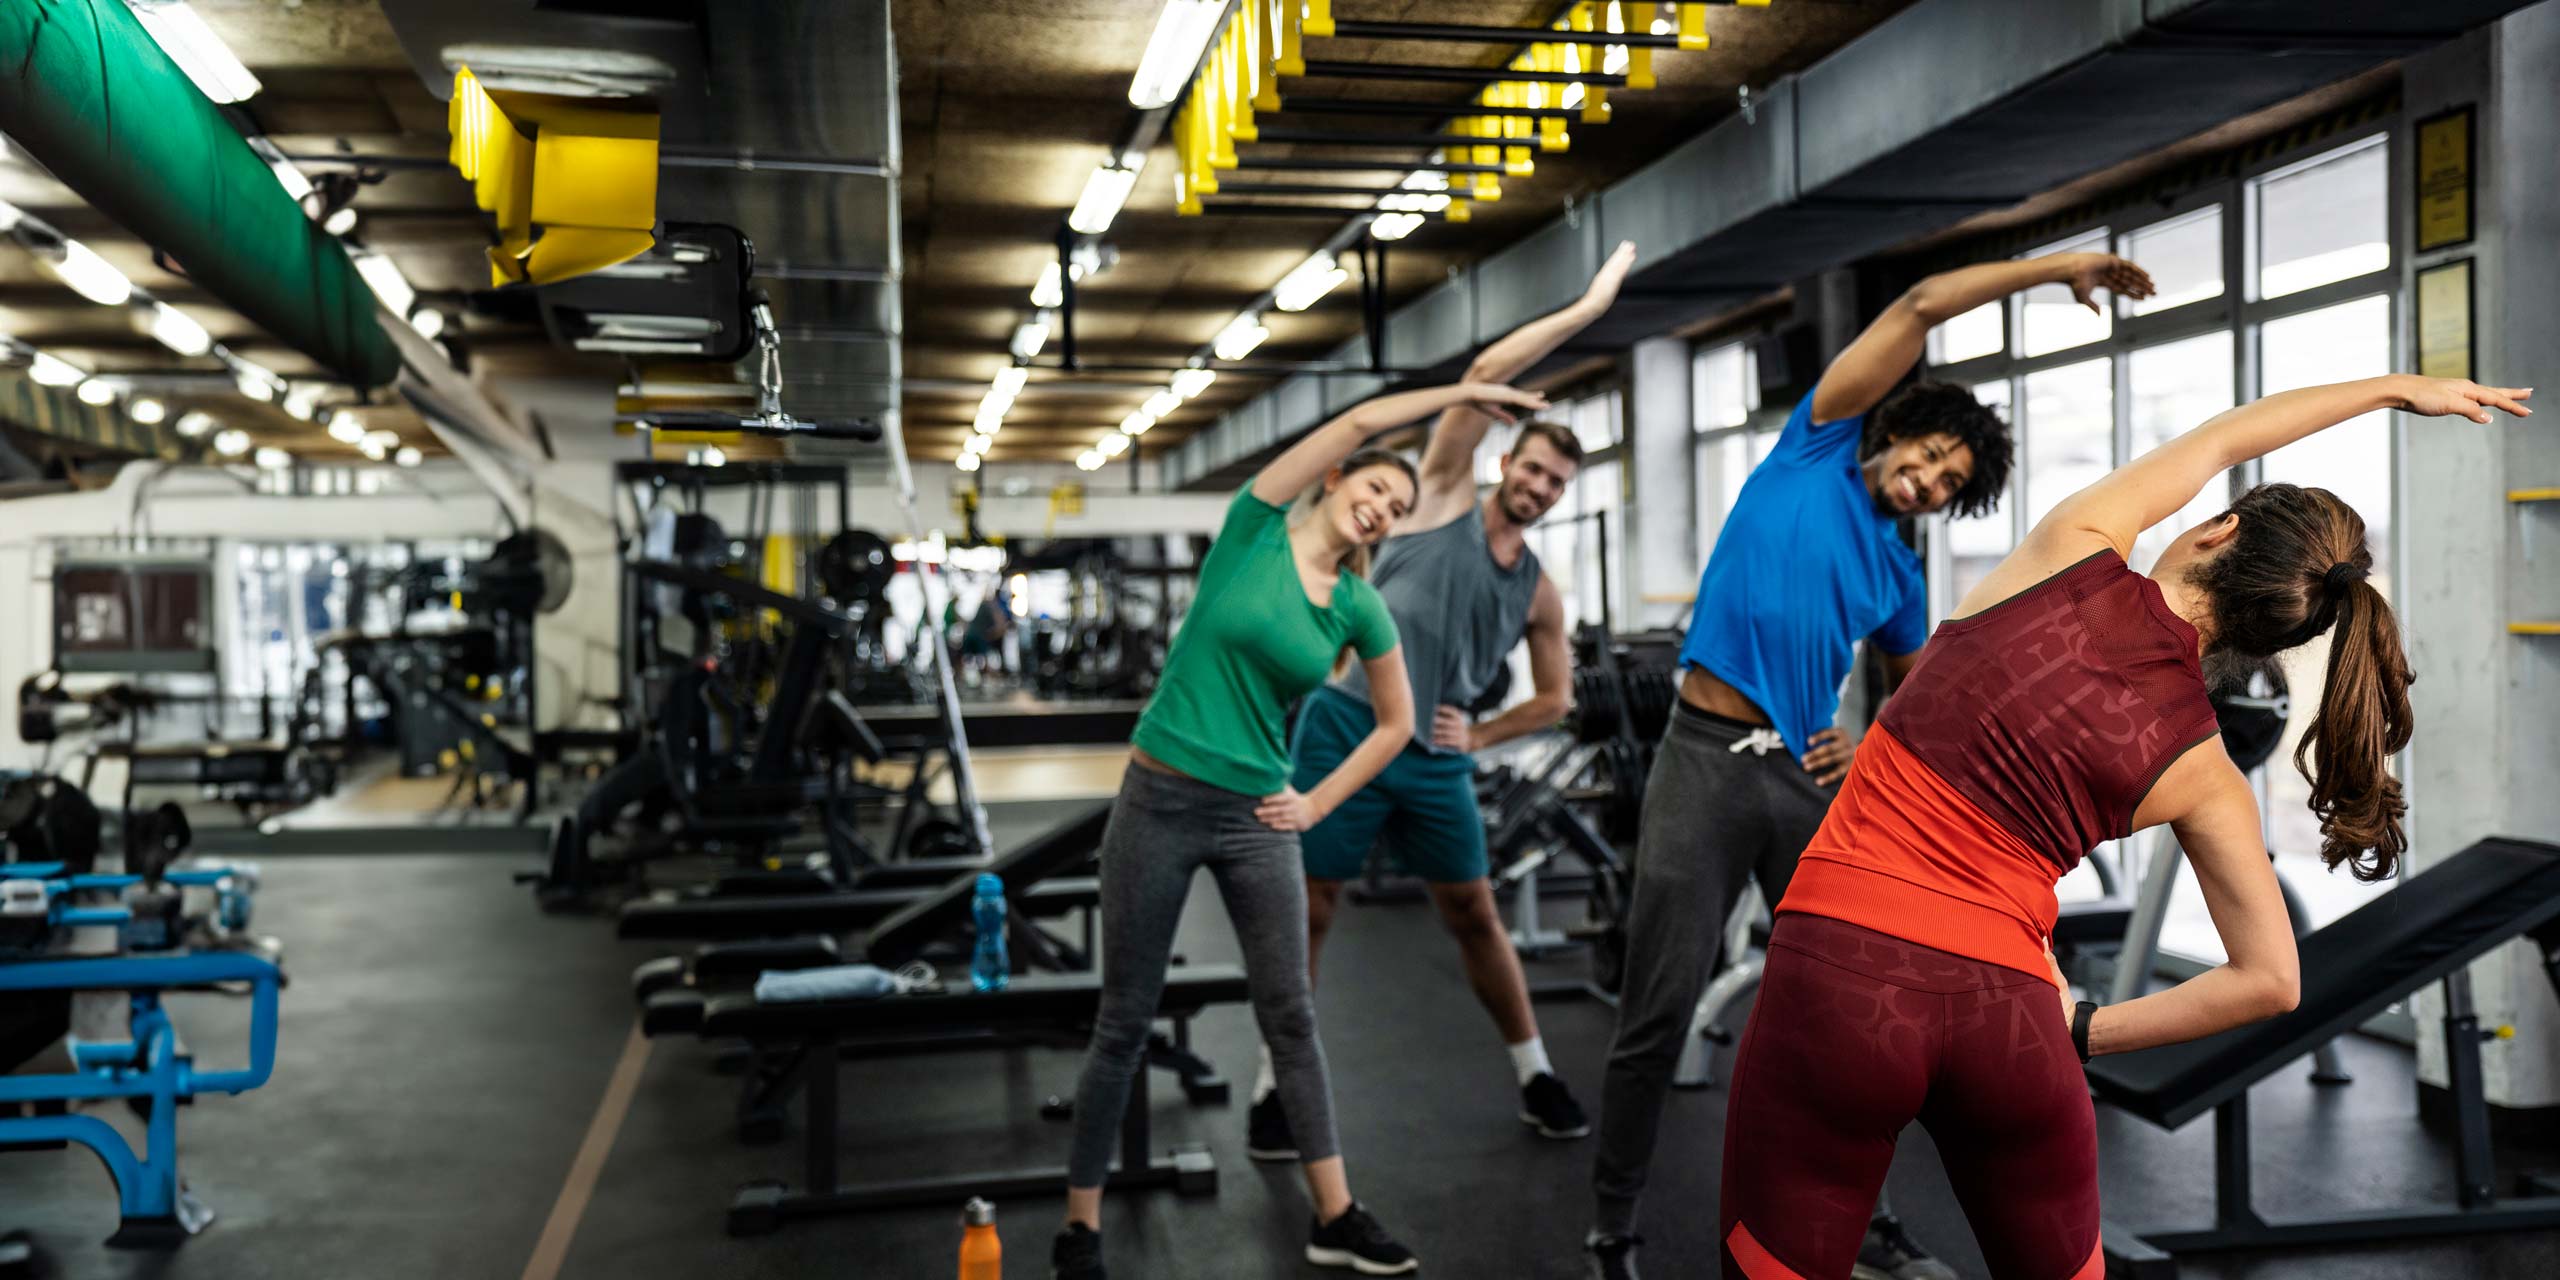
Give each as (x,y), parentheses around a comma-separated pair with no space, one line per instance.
(1806,567)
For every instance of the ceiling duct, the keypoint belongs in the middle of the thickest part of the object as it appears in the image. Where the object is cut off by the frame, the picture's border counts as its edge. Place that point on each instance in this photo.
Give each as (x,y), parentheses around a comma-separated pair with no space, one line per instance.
(776,118)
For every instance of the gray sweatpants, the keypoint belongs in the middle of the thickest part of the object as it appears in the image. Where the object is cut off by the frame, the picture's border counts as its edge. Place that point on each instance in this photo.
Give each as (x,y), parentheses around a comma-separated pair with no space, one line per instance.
(1163,827)
(1722,805)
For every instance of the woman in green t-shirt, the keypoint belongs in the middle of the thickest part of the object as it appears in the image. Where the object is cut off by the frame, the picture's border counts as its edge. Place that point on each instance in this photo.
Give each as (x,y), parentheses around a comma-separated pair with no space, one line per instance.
(1208,786)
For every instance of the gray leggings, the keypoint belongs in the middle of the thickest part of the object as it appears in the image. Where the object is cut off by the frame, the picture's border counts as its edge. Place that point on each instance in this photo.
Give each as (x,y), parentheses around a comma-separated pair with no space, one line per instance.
(1163,827)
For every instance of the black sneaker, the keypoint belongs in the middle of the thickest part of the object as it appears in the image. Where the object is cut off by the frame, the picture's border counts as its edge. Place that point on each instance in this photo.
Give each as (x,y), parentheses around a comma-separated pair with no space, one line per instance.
(1266,1131)
(1355,1240)
(1889,1253)
(1611,1257)
(1076,1254)
(1547,1106)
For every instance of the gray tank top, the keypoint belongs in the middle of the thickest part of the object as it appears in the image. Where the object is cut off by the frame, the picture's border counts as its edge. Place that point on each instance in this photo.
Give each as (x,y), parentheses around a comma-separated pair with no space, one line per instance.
(1459,614)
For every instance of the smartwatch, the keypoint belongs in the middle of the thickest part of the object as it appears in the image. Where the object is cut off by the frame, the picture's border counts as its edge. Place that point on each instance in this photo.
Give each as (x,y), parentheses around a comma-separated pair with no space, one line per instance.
(2080,1027)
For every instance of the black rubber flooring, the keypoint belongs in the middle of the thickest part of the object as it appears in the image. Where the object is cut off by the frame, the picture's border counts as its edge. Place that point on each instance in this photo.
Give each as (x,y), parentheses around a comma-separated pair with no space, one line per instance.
(445,1047)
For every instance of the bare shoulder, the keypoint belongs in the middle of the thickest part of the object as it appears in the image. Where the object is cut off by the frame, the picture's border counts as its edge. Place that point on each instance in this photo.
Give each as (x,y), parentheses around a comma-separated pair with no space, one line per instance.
(2044,554)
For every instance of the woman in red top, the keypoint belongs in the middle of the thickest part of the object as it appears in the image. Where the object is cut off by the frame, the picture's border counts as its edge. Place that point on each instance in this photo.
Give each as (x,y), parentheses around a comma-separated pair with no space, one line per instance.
(1910,974)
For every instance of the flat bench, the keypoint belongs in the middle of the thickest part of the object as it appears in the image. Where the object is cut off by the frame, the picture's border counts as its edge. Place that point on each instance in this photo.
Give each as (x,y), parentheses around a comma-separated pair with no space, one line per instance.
(812,1035)
(2425,931)
(774,915)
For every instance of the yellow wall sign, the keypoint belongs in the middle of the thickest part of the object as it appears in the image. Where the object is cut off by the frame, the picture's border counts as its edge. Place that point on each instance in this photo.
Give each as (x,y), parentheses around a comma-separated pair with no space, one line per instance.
(2444,179)
(574,185)
(2444,320)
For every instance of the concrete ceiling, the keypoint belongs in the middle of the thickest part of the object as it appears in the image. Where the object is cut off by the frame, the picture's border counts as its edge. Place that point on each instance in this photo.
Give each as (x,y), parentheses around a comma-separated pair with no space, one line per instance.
(1005,106)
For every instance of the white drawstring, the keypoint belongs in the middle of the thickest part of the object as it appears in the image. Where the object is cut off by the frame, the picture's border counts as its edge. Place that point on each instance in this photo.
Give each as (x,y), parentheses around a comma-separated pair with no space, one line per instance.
(1759,742)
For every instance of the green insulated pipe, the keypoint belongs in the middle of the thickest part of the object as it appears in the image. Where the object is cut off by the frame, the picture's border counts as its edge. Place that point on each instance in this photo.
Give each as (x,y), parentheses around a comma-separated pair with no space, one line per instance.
(85,90)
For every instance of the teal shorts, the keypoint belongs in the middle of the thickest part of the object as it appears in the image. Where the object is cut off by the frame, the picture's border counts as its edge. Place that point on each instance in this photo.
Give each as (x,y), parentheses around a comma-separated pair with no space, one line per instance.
(1423,805)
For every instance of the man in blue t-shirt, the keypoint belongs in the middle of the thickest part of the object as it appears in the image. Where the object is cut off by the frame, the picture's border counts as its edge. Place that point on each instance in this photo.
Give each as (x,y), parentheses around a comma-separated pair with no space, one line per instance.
(1808,564)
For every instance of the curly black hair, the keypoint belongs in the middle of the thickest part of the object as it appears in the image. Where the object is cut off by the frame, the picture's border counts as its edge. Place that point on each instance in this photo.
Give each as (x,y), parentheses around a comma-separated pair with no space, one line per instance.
(1926,408)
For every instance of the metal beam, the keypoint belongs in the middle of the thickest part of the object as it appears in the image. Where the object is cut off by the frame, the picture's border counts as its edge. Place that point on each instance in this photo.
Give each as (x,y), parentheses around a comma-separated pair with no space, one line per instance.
(1347,164)
(1455,75)
(1461,33)
(1436,110)
(1322,137)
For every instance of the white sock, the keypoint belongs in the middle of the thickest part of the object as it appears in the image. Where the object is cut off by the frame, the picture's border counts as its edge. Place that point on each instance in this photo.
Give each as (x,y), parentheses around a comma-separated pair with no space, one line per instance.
(1265,1081)
(1529,1060)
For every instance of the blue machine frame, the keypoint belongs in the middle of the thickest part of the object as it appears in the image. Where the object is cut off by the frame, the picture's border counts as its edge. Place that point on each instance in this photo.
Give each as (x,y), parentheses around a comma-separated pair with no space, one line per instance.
(157,1211)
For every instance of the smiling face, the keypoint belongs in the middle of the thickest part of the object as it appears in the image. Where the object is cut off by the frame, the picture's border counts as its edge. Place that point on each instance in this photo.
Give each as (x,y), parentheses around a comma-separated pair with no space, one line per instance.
(1919,475)
(1534,478)
(1362,505)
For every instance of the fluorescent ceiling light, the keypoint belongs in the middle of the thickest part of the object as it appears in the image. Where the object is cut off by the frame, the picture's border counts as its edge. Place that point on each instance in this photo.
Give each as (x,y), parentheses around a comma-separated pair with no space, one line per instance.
(346,428)
(966,462)
(273,459)
(302,400)
(1173,52)
(1088,461)
(1394,226)
(91,277)
(147,411)
(1046,293)
(388,284)
(290,178)
(712,457)
(196,49)
(195,424)
(231,442)
(990,419)
(1136,424)
(1240,337)
(254,380)
(429,322)
(408,456)
(54,371)
(1162,403)
(1104,193)
(978,443)
(1009,379)
(1030,336)
(179,331)
(1191,382)
(1313,279)
(1113,445)
(97,391)
(339,222)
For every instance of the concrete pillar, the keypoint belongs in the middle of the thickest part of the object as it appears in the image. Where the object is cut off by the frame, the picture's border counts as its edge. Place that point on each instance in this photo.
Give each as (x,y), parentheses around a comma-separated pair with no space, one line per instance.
(1660,565)
(2485,749)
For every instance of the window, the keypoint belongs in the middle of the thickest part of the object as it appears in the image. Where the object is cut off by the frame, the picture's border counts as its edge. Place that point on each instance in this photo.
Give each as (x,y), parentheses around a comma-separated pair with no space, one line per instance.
(2049,318)
(2324,220)
(2184,257)
(1970,336)
(1595,421)
(2070,426)
(1975,544)
(1724,387)
(2173,388)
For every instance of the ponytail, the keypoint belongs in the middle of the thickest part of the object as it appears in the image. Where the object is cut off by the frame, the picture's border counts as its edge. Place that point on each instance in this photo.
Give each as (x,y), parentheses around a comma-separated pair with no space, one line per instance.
(2364,720)
(2295,568)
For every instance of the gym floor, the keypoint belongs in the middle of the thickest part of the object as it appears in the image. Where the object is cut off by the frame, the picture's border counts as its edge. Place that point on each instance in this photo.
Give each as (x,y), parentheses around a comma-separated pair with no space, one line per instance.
(445,1050)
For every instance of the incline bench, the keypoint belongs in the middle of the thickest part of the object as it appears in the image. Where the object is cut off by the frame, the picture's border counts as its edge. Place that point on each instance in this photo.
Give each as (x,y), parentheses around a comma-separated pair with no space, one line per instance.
(2424,931)
(815,1033)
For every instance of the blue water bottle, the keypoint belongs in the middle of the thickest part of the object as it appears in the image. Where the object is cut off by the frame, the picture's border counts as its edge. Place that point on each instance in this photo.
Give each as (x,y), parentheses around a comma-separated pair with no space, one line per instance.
(988,969)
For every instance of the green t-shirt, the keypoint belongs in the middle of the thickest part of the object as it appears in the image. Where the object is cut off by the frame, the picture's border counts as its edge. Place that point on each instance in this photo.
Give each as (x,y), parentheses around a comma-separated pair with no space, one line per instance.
(1251,645)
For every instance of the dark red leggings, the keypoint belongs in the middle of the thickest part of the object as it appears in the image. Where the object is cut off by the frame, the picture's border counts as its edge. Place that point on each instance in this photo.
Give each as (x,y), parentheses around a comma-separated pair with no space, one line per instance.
(1855,1035)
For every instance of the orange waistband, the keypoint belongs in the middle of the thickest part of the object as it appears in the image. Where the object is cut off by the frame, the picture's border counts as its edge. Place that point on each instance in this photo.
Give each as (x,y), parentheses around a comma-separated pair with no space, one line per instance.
(1904,854)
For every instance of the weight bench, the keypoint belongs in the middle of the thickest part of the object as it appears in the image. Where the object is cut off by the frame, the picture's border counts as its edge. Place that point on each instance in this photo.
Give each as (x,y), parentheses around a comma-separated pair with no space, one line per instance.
(778,915)
(802,933)
(2427,930)
(814,1034)
(906,930)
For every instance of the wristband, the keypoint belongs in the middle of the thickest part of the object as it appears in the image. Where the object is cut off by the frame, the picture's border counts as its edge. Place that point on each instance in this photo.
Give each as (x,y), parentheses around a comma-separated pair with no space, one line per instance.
(2080,1027)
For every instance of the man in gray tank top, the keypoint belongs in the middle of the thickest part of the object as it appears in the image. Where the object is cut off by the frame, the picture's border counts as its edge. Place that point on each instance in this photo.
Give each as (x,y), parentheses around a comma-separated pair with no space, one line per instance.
(1464,590)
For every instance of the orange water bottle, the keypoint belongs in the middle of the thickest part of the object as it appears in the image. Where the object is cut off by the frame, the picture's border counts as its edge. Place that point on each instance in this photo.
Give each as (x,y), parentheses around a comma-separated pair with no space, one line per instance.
(981,1253)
